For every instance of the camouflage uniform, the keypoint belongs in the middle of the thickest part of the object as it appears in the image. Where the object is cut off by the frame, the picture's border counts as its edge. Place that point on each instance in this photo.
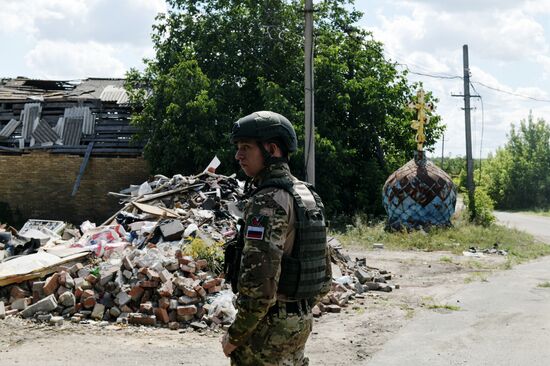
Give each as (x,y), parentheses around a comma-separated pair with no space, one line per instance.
(265,337)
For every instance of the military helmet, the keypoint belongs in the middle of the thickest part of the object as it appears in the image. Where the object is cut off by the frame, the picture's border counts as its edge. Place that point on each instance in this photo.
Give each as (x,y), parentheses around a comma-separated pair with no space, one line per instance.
(264,126)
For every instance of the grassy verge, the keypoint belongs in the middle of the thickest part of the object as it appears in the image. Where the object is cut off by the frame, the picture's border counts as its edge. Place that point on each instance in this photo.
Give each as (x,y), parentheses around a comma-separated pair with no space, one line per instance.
(540,212)
(463,235)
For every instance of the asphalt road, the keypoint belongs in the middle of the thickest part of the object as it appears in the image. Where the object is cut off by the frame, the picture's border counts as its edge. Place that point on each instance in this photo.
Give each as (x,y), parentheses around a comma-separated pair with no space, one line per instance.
(504,321)
(539,226)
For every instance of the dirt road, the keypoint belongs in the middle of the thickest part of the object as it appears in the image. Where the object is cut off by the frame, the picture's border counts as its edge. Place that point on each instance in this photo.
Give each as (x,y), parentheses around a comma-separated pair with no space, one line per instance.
(501,321)
(348,338)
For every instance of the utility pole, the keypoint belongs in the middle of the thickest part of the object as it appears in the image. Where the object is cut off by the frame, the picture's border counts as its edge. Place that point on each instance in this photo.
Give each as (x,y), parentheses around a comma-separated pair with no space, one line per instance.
(442,151)
(309,151)
(469,160)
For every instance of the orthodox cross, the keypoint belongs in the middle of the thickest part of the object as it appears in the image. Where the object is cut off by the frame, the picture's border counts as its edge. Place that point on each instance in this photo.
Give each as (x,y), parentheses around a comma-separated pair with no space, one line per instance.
(421,107)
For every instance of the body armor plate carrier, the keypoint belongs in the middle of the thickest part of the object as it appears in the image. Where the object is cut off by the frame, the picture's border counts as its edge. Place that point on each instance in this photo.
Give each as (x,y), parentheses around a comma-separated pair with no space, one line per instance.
(304,272)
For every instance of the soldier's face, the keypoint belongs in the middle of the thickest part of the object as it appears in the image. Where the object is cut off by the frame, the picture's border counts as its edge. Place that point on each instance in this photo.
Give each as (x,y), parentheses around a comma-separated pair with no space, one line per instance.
(249,157)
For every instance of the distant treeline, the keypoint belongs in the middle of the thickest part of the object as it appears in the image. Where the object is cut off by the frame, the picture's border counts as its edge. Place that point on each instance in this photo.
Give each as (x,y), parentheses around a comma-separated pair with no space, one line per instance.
(516,176)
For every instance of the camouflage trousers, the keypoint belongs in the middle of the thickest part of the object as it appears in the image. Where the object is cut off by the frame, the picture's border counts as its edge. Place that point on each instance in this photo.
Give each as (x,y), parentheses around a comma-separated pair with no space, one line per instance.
(279,340)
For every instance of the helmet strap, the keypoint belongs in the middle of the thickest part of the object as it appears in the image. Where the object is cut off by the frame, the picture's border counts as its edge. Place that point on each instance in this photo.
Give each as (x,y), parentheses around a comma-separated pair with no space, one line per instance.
(268,159)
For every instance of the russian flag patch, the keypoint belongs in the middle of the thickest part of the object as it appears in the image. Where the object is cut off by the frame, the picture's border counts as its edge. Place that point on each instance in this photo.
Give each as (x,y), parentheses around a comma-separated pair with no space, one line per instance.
(256,228)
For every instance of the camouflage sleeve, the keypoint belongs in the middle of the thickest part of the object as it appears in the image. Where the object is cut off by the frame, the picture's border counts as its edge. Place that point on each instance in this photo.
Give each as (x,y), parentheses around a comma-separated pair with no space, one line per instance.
(265,233)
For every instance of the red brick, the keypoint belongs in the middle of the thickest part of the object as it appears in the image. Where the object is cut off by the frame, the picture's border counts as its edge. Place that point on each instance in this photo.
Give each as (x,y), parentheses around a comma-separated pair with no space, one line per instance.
(185,260)
(63,278)
(142,319)
(51,285)
(162,315)
(201,263)
(136,292)
(89,302)
(166,289)
(190,267)
(92,279)
(200,290)
(146,308)
(86,294)
(213,290)
(186,310)
(187,291)
(149,284)
(209,283)
(164,302)
(18,293)
(152,275)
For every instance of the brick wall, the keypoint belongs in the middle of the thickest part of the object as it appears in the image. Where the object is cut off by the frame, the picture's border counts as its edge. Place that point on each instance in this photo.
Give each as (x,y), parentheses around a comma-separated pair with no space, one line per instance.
(39,185)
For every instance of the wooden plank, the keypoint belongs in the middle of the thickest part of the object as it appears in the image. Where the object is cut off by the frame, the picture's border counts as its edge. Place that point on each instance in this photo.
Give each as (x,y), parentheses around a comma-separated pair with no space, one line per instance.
(82,168)
(154,210)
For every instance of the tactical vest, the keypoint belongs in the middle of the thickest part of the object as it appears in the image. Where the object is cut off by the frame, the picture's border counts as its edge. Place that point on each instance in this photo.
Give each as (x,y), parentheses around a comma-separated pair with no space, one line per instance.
(304,271)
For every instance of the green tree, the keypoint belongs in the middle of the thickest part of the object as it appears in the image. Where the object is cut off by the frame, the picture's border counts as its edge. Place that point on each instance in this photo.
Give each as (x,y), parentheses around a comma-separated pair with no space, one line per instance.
(518,175)
(247,55)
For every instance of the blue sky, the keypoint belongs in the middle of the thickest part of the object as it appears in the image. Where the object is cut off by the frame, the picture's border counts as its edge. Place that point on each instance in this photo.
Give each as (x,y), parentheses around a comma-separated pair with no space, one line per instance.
(509,46)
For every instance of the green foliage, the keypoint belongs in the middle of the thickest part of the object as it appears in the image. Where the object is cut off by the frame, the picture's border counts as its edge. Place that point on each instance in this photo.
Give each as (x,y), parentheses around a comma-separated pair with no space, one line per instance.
(212,252)
(484,207)
(218,60)
(517,176)
(460,237)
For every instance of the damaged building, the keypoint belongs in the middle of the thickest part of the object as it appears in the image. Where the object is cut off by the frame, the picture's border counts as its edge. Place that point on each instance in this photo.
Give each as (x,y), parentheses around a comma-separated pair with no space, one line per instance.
(63,146)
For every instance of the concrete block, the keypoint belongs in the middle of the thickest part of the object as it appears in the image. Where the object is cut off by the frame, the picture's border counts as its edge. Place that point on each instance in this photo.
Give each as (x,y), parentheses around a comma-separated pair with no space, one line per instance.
(122,298)
(56,320)
(45,305)
(21,304)
(165,276)
(198,326)
(115,312)
(172,230)
(98,312)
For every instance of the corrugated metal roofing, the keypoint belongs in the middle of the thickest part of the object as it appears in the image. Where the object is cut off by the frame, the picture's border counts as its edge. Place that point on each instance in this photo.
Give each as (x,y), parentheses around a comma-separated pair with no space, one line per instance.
(113,93)
(72,131)
(10,128)
(29,116)
(85,114)
(44,133)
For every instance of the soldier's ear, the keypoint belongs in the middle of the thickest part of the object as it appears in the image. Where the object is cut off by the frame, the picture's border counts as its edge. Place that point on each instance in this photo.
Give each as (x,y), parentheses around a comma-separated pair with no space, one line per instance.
(273,149)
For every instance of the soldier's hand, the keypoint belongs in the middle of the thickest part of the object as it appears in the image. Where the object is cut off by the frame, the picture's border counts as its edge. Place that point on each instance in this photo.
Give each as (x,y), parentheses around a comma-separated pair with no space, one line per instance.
(226,345)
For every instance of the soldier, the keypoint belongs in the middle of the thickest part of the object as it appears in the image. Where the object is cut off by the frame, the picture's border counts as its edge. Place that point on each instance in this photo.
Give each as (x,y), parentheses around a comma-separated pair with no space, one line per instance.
(284,267)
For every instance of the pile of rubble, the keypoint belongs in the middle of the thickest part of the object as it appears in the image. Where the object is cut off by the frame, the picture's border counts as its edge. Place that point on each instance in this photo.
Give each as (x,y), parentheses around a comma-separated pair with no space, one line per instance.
(157,261)
(351,279)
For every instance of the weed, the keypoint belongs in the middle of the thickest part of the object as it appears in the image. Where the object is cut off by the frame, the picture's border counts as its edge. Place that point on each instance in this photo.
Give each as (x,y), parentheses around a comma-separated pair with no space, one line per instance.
(444,306)
(460,237)
(545,284)
(476,276)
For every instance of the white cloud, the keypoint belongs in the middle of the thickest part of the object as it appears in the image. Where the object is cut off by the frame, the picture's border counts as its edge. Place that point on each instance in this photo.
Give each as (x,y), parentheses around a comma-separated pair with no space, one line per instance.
(64,60)
(508,51)
(76,38)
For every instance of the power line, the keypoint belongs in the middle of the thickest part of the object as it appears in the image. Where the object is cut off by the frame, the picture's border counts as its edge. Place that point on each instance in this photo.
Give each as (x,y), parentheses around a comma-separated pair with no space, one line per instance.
(511,93)
(482,130)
